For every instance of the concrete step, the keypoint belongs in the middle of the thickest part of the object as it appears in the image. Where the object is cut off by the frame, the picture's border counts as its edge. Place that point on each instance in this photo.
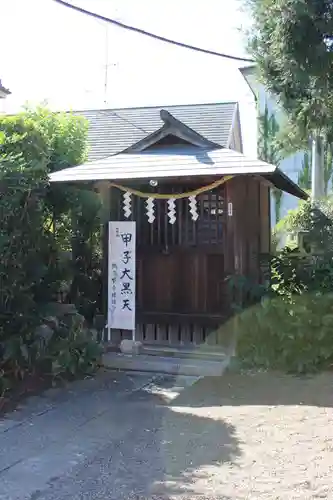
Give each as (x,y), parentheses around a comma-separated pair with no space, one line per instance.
(196,352)
(165,364)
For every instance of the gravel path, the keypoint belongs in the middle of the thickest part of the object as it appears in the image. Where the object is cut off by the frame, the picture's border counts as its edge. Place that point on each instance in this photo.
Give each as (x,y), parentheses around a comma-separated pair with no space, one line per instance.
(252,436)
(282,436)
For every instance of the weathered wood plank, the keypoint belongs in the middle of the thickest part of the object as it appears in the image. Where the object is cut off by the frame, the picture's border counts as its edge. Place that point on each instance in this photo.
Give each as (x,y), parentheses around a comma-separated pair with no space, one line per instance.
(185,334)
(116,336)
(173,331)
(150,334)
(198,335)
(139,332)
(162,334)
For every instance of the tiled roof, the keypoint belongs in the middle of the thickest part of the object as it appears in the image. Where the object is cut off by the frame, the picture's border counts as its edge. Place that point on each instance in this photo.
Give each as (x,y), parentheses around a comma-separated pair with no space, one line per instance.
(164,163)
(189,161)
(113,130)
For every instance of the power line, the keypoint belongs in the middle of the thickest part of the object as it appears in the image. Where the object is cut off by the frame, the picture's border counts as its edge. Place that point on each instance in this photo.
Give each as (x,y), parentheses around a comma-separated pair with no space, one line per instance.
(151,35)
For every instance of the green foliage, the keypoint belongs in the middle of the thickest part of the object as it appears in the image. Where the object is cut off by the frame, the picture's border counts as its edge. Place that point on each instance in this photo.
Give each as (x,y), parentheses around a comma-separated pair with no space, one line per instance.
(291,327)
(293,336)
(291,41)
(75,352)
(304,176)
(317,223)
(39,223)
(23,243)
(328,166)
(270,151)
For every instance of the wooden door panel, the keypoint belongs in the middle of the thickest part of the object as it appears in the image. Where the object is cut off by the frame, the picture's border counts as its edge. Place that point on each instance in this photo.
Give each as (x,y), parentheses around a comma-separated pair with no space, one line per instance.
(181,283)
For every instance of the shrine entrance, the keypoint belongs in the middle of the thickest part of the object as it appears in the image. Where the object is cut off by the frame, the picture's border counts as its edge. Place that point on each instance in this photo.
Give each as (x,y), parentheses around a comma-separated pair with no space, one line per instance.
(205,218)
(181,291)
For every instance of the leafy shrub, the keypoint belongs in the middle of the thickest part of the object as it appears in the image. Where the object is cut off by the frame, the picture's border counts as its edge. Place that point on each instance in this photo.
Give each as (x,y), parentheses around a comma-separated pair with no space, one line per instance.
(294,335)
(291,328)
(38,223)
(316,222)
(75,352)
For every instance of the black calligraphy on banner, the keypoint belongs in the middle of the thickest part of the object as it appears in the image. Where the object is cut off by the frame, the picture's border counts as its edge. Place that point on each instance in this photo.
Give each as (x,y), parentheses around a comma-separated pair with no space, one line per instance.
(114,285)
(125,272)
(122,278)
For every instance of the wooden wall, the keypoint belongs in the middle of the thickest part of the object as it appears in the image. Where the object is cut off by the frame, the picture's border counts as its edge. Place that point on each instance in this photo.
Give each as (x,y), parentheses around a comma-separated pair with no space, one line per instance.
(248,230)
(182,296)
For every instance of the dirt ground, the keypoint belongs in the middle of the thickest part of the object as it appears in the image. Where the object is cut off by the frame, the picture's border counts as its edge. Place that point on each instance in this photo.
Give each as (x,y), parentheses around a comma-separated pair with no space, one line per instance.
(121,436)
(280,436)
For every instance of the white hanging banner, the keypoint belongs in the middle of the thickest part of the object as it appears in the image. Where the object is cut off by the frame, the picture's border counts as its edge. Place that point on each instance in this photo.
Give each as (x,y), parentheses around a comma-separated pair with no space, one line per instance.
(172,210)
(127,204)
(193,207)
(121,279)
(150,210)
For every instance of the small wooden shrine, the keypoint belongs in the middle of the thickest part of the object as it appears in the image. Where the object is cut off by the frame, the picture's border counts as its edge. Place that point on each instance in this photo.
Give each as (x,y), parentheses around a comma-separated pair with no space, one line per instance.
(202,213)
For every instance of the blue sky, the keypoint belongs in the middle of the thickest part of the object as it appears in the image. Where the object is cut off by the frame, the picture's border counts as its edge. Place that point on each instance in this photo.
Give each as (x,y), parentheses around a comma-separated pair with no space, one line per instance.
(49,52)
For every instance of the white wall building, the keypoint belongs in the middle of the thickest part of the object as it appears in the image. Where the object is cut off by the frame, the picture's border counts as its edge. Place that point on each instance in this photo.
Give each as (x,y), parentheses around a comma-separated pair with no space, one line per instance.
(291,165)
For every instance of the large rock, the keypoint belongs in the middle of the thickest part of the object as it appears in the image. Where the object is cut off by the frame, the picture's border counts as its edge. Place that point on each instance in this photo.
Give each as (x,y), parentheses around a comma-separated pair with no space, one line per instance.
(130,346)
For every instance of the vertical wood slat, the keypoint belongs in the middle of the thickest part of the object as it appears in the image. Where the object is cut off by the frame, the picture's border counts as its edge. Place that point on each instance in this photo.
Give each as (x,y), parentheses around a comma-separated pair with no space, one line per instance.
(150,334)
(165,220)
(198,335)
(173,331)
(180,216)
(139,332)
(217,216)
(187,223)
(116,336)
(239,201)
(264,218)
(158,221)
(138,215)
(162,334)
(253,227)
(231,258)
(173,226)
(185,334)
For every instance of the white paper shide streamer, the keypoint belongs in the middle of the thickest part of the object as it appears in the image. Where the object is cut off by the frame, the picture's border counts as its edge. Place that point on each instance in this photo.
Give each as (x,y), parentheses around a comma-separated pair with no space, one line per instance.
(193,207)
(127,204)
(172,210)
(150,210)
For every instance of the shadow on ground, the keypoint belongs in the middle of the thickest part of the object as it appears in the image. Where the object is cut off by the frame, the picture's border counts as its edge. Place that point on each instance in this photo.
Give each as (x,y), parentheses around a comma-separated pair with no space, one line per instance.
(183,445)
(163,453)
(259,389)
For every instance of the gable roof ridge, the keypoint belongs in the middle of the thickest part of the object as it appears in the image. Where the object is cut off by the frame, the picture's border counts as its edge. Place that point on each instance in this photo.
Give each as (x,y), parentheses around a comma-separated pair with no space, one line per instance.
(159,106)
(171,126)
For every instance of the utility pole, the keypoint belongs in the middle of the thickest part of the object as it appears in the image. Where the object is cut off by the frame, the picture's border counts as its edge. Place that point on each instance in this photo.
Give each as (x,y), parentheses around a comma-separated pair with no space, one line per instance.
(106,75)
(317,170)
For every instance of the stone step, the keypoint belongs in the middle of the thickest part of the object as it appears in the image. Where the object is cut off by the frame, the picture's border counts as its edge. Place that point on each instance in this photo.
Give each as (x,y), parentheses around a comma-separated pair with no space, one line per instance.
(165,364)
(193,352)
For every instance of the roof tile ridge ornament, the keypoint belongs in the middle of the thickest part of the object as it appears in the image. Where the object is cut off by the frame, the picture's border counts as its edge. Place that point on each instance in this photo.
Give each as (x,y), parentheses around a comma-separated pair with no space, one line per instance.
(174,124)
(3,89)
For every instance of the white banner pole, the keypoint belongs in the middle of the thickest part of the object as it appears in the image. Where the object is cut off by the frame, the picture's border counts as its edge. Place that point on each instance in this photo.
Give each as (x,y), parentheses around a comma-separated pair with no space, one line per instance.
(121,279)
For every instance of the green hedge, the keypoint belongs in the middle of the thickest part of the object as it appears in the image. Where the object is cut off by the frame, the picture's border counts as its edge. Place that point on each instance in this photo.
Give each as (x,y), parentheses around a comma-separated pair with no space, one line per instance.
(295,336)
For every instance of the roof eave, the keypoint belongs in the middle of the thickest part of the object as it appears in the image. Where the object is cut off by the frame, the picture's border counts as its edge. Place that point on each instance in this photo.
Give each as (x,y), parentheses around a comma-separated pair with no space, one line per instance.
(281,181)
(246,71)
